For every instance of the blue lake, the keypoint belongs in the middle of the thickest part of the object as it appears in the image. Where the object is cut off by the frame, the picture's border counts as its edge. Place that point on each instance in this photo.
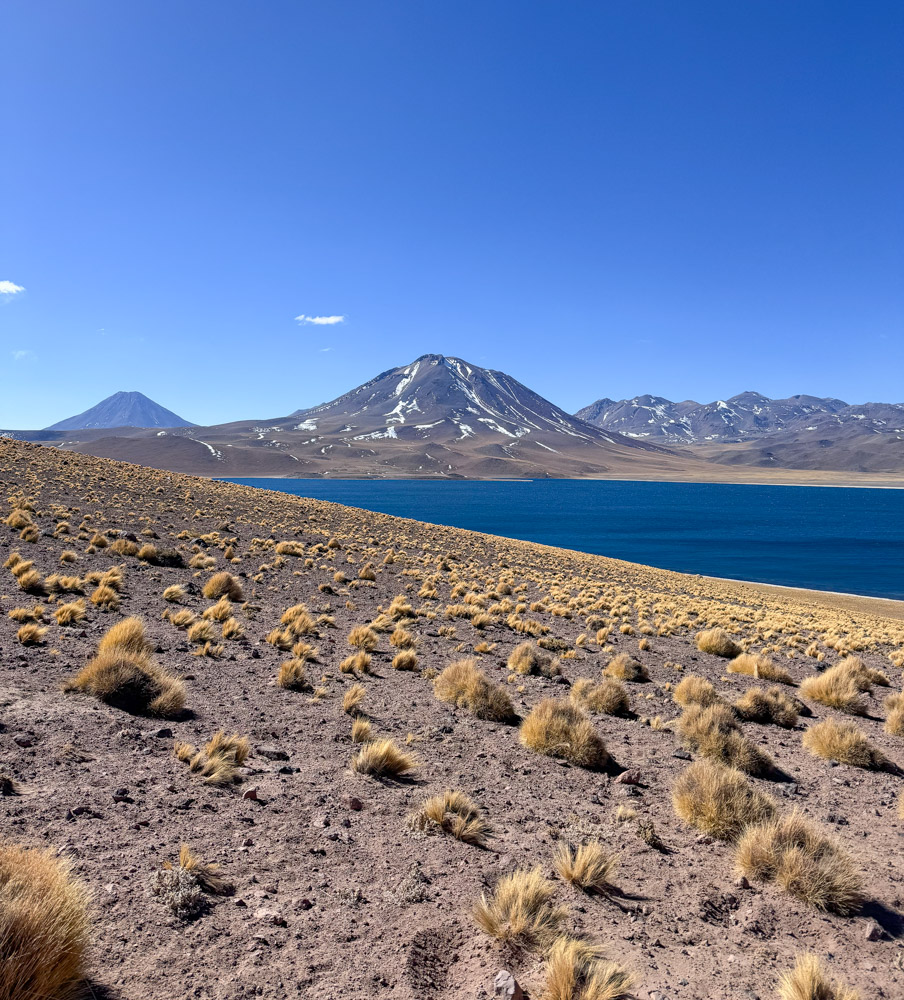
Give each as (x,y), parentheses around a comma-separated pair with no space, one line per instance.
(849,540)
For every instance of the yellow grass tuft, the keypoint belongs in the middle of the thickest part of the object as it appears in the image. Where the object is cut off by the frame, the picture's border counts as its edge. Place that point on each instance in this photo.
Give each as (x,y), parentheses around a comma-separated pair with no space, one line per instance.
(43,925)
(718,642)
(31,634)
(464,685)
(773,705)
(452,813)
(695,690)
(363,638)
(528,658)
(800,859)
(383,759)
(719,800)
(590,867)
(519,911)
(126,636)
(354,696)
(714,733)
(845,743)
(609,696)
(624,668)
(809,981)
(292,676)
(759,666)
(223,584)
(575,971)
(561,729)
(405,659)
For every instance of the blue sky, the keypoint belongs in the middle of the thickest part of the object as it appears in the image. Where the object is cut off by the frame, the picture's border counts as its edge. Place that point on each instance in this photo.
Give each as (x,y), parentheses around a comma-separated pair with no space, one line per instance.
(600,198)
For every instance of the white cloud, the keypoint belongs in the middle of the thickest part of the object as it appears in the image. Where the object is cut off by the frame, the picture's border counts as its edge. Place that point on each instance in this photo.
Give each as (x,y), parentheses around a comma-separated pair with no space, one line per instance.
(303,320)
(22,355)
(323,350)
(8,288)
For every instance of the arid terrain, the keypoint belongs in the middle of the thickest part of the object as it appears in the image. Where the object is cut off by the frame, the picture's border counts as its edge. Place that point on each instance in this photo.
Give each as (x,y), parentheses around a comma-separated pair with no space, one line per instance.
(291,622)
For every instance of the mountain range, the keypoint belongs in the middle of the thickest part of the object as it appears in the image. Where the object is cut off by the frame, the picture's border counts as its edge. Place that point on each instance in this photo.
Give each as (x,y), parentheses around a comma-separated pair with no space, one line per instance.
(442,417)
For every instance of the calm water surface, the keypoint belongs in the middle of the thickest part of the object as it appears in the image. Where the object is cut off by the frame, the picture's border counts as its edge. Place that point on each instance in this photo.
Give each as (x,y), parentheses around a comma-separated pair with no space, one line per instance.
(849,540)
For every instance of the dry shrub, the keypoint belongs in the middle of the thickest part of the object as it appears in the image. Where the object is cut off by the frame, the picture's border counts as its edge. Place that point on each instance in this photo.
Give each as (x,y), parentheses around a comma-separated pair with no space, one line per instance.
(714,733)
(71,613)
(218,612)
(357,663)
(361,732)
(452,813)
(31,634)
(718,642)
(383,759)
(773,705)
(624,668)
(590,867)
(19,519)
(363,638)
(609,696)
(845,743)
(297,620)
(105,597)
(219,761)
(519,911)
(800,859)
(894,723)
(123,675)
(354,696)
(43,925)
(759,666)
(575,970)
(290,548)
(841,686)
(695,690)
(809,981)
(527,658)
(182,618)
(181,887)
(292,676)
(405,659)
(402,639)
(223,584)
(232,629)
(464,685)
(561,729)
(174,594)
(202,631)
(719,800)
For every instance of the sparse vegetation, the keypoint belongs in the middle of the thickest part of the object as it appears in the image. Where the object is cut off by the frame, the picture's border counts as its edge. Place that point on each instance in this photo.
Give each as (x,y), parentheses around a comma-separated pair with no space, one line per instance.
(520,911)
(452,813)
(383,759)
(719,800)
(561,729)
(809,981)
(718,642)
(464,685)
(590,866)
(845,743)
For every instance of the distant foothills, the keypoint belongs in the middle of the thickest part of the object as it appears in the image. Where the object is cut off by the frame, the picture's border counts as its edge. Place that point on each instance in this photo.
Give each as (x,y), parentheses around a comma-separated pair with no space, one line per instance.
(443,418)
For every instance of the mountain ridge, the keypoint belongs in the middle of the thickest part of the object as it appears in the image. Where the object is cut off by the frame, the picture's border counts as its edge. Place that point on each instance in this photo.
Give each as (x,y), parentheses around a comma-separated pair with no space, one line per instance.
(122,409)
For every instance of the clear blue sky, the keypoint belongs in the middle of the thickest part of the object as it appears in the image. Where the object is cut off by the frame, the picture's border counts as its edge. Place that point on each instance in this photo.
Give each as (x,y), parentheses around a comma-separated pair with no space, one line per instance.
(600,198)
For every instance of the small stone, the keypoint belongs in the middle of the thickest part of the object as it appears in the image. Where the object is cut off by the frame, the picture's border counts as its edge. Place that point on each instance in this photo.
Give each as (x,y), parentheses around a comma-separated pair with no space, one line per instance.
(355,804)
(272,752)
(874,932)
(121,795)
(163,733)
(270,917)
(24,739)
(742,883)
(682,755)
(505,987)
(250,793)
(704,839)
(628,778)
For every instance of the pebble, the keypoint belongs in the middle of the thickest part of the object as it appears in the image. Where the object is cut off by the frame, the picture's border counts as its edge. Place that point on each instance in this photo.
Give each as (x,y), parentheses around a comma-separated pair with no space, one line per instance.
(250,793)
(272,752)
(506,987)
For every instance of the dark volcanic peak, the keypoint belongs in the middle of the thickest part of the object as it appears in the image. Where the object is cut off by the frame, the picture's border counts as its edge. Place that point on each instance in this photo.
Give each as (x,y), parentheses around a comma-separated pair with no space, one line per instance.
(123,409)
(446,399)
(745,417)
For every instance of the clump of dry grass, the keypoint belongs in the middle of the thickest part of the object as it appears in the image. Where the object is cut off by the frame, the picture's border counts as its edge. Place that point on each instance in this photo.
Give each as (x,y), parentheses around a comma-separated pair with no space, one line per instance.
(695,690)
(575,970)
(123,675)
(401,638)
(361,731)
(772,705)
(452,813)
(719,800)
(608,697)
(809,981)
(714,733)
(174,594)
(31,634)
(43,925)
(844,742)
(464,685)
(223,584)
(894,723)
(759,666)
(590,866)
(353,698)
(800,859)
(219,761)
(528,658)
(561,729)
(363,638)
(383,759)
(841,686)
(181,887)
(519,911)
(357,663)
(298,621)
(405,659)
(71,613)
(292,676)
(718,642)
(624,668)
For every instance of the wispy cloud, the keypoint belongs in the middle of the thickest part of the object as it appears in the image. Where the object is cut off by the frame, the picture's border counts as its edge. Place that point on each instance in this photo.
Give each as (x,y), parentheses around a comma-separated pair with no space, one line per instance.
(9,288)
(22,355)
(303,320)
(323,350)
